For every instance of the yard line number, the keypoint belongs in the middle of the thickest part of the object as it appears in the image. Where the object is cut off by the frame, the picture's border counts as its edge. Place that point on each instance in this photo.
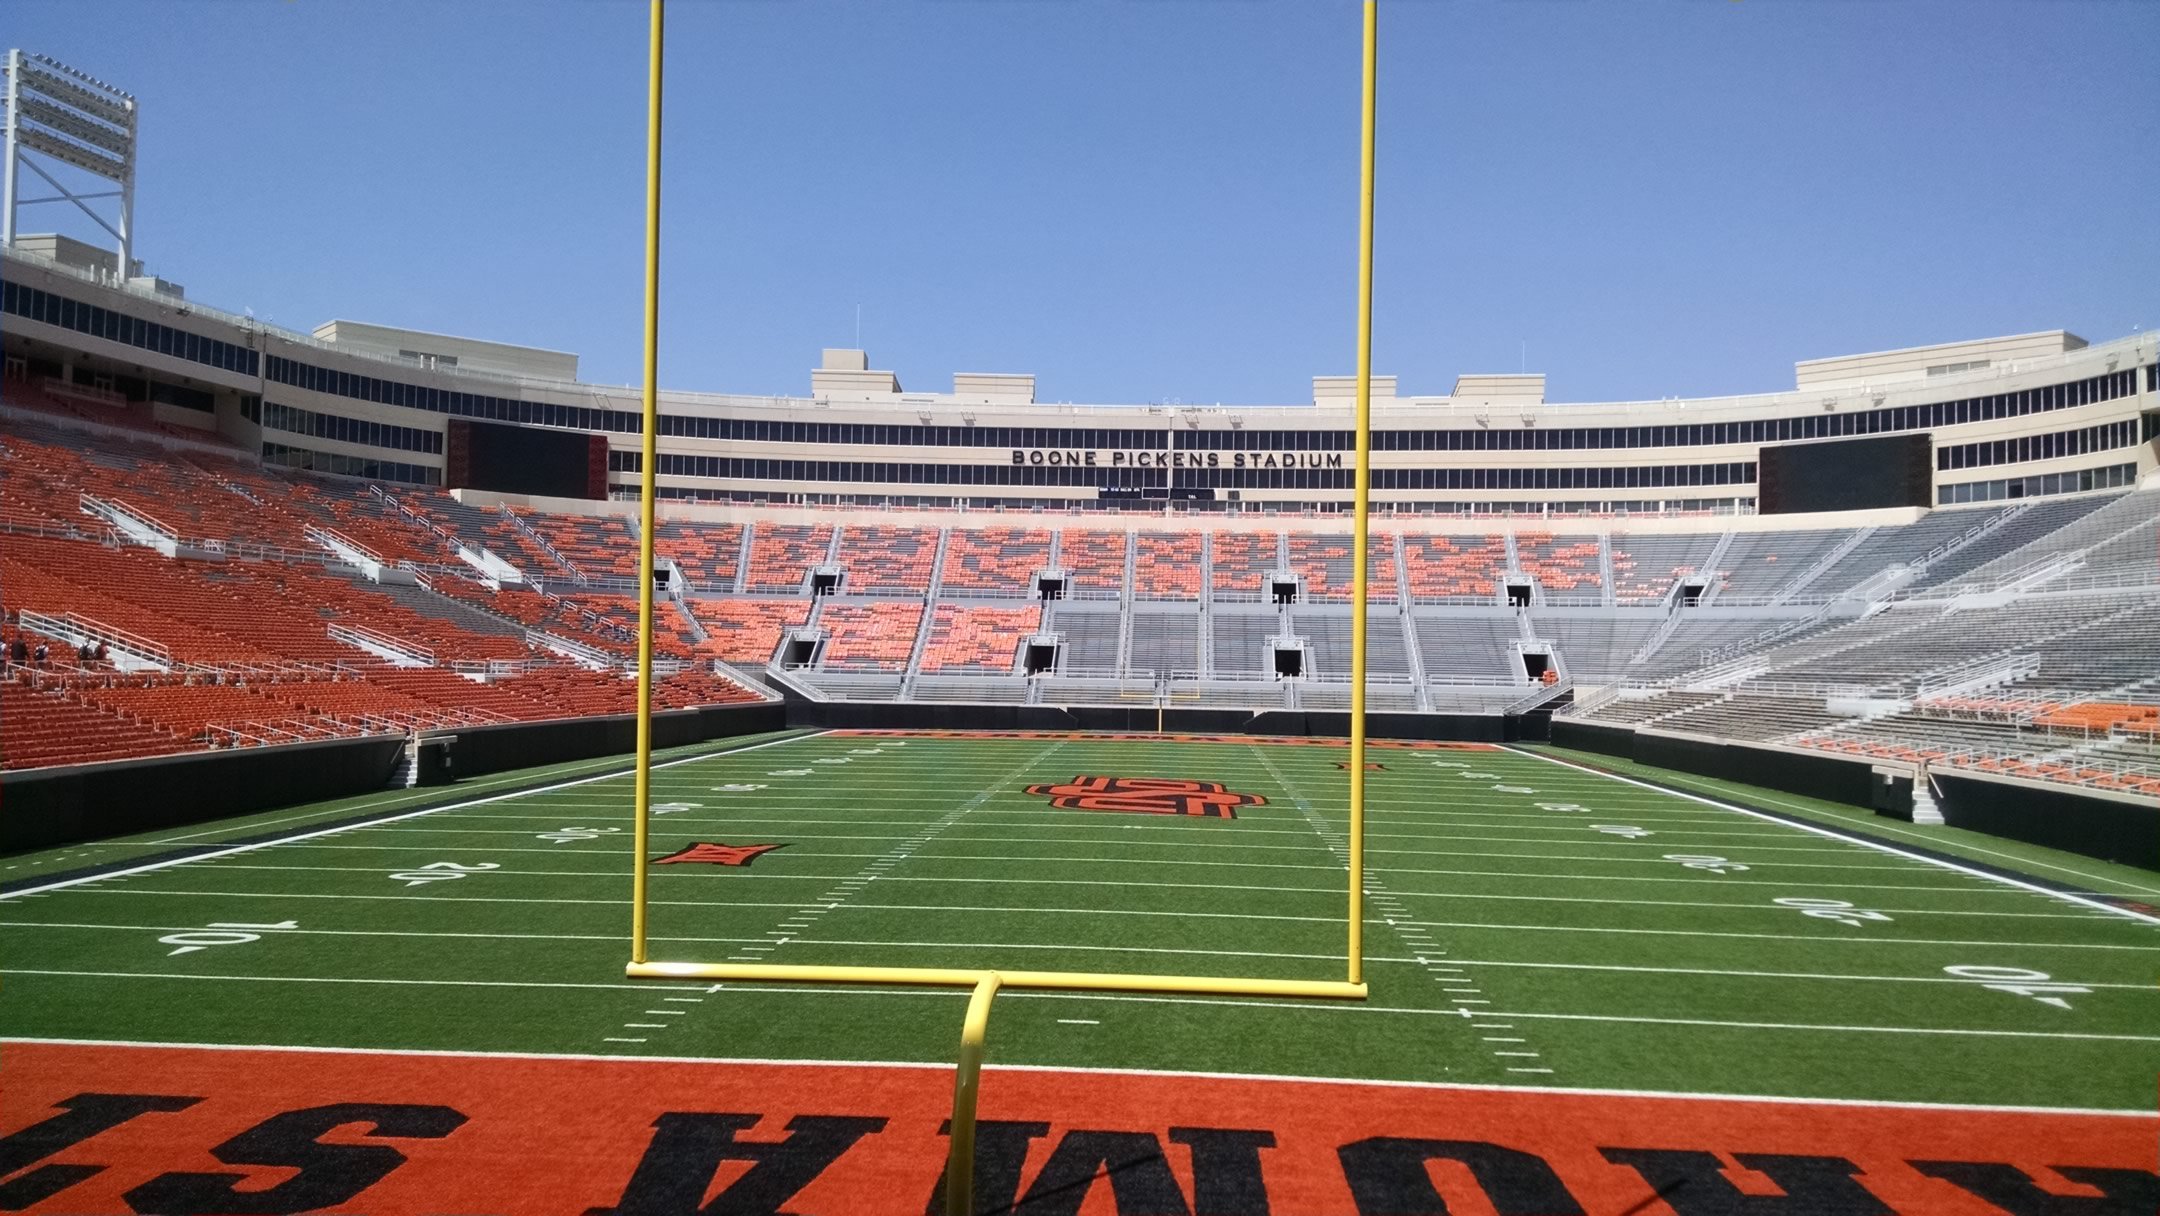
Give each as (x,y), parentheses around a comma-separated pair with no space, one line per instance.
(440,871)
(221,933)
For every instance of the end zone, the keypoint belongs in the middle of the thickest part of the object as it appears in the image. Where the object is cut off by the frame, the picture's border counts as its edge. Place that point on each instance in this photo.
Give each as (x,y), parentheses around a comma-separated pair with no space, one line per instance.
(121,1127)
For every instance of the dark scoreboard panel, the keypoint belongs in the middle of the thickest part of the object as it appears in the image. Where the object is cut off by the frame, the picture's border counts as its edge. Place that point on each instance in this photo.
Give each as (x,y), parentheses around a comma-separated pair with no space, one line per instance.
(525,460)
(1845,475)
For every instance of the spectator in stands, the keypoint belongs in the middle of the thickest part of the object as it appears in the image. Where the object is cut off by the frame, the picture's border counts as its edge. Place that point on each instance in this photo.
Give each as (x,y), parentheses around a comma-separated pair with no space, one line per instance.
(42,654)
(19,650)
(98,655)
(84,653)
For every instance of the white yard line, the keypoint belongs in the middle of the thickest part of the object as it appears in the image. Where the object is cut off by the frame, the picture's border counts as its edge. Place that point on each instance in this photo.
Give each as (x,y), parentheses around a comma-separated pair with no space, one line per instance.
(945,1070)
(372,823)
(1875,845)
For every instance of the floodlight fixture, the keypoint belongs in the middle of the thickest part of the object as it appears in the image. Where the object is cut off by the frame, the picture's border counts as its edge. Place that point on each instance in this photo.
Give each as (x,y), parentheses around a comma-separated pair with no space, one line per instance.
(74,119)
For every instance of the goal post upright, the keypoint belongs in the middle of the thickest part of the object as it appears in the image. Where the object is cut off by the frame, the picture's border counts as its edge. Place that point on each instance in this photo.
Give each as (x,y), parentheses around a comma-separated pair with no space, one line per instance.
(642,798)
(1361,511)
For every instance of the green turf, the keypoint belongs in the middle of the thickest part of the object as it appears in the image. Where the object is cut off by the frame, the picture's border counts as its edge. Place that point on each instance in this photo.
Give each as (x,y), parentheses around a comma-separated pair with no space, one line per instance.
(305,816)
(1507,943)
(2052,865)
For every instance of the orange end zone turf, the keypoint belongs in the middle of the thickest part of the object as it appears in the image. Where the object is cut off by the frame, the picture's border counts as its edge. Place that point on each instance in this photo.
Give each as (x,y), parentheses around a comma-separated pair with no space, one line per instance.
(113,1129)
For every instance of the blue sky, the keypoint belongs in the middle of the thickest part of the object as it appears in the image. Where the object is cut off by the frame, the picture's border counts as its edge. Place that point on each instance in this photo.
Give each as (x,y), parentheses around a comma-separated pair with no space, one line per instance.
(1154,201)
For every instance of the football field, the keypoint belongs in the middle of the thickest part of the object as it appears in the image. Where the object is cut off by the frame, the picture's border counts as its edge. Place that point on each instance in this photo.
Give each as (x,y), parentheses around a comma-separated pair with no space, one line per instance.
(1532,924)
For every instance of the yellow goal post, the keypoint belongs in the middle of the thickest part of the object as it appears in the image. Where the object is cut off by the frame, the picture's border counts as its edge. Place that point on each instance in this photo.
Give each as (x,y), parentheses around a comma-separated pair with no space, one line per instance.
(984,984)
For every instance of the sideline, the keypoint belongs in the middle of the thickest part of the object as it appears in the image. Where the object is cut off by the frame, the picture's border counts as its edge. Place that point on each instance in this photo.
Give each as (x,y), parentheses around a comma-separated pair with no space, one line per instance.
(366,821)
(1864,841)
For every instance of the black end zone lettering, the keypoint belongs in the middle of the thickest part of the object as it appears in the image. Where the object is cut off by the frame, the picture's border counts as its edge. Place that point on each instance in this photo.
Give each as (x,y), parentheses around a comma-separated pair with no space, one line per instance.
(1226,1170)
(329,1173)
(687,1150)
(84,1116)
(1387,1176)
(1140,1180)
(1693,1183)
(1001,1148)
(2122,1192)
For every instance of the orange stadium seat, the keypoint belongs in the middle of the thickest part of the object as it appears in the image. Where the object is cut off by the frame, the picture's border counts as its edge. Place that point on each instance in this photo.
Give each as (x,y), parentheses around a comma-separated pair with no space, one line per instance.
(994,559)
(1166,565)
(879,558)
(873,635)
(974,638)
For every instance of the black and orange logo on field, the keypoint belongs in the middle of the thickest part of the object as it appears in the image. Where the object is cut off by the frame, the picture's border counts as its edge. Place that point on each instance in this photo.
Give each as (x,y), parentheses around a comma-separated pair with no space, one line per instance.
(716,854)
(1147,796)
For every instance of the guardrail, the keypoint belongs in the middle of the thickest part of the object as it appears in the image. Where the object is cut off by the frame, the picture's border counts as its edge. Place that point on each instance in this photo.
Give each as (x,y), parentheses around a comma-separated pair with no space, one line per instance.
(375,639)
(75,624)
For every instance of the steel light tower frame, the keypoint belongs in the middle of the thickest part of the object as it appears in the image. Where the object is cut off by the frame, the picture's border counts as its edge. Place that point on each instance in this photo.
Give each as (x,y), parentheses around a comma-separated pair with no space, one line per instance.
(76,119)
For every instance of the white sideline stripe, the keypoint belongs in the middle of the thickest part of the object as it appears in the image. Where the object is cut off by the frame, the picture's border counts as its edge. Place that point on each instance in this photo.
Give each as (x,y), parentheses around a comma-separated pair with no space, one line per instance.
(946,1070)
(271,823)
(349,827)
(1876,845)
(1297,1006)
(1894,830)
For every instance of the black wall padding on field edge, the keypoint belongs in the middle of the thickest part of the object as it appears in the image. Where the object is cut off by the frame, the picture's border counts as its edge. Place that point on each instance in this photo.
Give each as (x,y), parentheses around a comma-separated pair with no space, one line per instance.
(2077,821)
(44,808)
(2110,829)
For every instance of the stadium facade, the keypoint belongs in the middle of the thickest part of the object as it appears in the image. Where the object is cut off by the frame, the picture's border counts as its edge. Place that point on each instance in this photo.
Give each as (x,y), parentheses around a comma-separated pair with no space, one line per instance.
(2035,415)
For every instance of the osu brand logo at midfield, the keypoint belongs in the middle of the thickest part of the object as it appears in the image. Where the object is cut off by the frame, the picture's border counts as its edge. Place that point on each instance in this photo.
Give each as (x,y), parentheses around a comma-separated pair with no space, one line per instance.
(1147,796)
(717,854)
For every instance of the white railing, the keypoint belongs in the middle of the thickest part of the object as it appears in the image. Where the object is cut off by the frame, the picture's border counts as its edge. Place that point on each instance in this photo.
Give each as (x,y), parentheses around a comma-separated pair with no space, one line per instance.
(107,508)
(378,642)
(76,627)
(1978,674)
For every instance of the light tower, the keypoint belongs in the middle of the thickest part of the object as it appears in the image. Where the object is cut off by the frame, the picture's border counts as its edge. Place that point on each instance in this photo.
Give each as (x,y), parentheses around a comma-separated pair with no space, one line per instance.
(77,120)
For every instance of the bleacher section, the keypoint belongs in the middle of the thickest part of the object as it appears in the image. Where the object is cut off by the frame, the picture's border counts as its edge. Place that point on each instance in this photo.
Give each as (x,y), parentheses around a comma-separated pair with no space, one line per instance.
(1241,649)
(598,546)
(1458,568)
(878,558)
(1327,643)
(1166,566)
(1757,563)
(998,560)
(1597,648)
(781,555)
(1095,561)
(2031,642)
(874,635)
(746,631)
(1164,641)
(1646,566)
(1323,564)
(1090,634)
(972,637)
(707,554)
(1566,567)
(1242,559)
(1467,645)
(2037,520)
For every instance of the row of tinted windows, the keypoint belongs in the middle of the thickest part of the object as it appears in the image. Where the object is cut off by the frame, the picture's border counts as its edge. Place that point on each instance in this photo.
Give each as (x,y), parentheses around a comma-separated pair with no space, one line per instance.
(2079,442)
(761,469)
(91,319)
(766,430)
(2040,486)
(349,466)
(281,370)
(754,469)
(349,430)
(20,300)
